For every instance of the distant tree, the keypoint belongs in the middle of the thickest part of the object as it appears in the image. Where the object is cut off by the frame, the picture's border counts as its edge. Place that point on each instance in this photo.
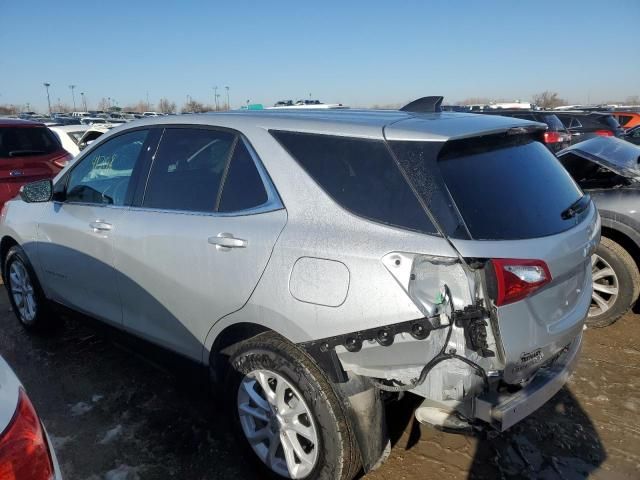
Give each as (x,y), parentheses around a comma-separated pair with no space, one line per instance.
(103,104)
(61,107)
(633,100)
(8,109)
(166,106)
(548,99)
(194,107)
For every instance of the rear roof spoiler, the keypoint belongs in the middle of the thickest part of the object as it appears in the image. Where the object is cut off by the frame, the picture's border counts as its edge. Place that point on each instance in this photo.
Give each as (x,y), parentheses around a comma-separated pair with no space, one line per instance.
(424,105)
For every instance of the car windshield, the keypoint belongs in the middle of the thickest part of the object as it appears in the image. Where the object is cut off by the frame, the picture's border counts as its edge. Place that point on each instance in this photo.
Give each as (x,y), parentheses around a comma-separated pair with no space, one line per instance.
(22,141)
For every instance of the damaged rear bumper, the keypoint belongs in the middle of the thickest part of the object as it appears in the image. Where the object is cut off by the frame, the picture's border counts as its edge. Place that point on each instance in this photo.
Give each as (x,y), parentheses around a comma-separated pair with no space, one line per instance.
(504,410)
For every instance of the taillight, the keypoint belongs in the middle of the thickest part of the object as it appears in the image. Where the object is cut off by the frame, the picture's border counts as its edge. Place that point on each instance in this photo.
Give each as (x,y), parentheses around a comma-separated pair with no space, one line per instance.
(517,279)
(552,137)
(24,453)
(63,160)
(604,133)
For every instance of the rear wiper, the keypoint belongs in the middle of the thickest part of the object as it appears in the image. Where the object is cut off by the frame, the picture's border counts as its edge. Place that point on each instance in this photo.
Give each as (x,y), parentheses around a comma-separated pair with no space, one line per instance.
(576,207)
(22,153)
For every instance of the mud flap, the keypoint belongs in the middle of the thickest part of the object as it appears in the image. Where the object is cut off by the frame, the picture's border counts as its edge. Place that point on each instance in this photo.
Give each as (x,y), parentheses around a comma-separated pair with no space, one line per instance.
(365,411)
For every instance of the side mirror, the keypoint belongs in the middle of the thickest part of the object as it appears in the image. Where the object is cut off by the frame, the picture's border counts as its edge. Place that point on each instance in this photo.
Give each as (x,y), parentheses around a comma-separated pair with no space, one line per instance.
(37,192)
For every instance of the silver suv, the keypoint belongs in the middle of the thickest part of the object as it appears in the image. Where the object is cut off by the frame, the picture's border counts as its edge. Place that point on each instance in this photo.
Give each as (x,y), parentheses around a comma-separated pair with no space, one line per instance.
(319,262)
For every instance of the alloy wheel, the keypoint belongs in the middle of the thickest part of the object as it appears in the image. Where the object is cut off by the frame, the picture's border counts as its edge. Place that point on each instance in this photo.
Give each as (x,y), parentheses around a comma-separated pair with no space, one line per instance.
(605,286)
(22,291)
(278,424)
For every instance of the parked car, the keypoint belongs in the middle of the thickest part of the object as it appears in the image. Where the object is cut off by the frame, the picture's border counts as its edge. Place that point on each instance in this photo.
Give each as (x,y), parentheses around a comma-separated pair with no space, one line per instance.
(75,138)
(312,260)
(584,125)
(556,137)
(609,170)
(633,135)
(25,449)
(28,151)
(627,120)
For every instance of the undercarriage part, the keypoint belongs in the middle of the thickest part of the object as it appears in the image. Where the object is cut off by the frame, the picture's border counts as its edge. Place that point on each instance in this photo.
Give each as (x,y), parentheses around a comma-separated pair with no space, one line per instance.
(367,417)
(440,357)
(323,350)
(472,320)
(440,418)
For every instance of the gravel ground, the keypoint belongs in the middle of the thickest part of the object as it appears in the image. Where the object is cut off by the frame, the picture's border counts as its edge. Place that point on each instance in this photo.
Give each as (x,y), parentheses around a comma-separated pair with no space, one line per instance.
(116,414)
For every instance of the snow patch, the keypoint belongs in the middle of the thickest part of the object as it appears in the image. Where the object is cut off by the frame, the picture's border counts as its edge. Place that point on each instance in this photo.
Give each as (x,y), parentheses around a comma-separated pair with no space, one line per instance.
(80,408)
(123,472)
(111,435)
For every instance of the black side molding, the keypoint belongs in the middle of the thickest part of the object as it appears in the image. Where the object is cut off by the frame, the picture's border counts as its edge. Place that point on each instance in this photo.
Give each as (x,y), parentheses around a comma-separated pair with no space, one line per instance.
(424,105)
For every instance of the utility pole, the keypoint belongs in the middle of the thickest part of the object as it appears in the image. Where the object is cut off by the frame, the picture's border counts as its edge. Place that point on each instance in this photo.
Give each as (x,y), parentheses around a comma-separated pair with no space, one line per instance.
(215,96)
(47,85)
(73,96)
(228,105)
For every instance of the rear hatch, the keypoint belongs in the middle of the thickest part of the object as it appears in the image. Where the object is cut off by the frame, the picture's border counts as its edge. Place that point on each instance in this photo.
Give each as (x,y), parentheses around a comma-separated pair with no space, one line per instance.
(500,196)
(27,153)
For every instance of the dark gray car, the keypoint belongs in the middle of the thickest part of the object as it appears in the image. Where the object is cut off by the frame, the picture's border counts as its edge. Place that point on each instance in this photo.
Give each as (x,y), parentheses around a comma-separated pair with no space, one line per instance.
(609,170)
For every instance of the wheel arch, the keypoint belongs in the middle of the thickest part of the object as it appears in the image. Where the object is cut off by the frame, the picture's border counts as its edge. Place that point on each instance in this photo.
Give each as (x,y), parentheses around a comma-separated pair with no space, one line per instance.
(625,240)
(231,335)
(5,245)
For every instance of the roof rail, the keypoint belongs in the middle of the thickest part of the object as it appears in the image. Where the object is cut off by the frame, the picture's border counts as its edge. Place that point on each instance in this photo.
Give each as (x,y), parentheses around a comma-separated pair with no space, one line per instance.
(424,105)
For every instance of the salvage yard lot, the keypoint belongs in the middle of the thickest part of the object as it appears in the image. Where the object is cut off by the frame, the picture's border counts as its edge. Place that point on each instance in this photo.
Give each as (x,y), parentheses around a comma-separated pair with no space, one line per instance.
(114,414)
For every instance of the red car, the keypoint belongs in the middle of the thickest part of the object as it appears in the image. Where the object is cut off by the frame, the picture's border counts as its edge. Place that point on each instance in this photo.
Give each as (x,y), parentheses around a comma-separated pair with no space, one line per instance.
(29,151)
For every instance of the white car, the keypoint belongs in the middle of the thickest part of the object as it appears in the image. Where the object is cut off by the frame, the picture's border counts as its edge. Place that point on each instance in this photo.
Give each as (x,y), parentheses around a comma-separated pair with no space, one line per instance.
(25,449)
(75,137)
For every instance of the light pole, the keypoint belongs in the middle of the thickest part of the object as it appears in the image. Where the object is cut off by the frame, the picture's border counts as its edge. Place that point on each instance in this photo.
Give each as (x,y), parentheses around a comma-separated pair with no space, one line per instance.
(215,96)
(108,103)
(84,101)
(73,96)
(47,85)
(228,105)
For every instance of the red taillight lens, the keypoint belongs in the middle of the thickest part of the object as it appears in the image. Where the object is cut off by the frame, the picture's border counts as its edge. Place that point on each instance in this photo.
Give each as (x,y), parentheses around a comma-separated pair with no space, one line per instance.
(63,160)
(552,137)
(24,453)
(517,279)
(604,133)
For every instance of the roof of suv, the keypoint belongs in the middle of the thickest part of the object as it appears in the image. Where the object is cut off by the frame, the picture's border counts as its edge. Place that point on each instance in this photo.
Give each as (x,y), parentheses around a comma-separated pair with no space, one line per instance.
(397,125)
(17,122)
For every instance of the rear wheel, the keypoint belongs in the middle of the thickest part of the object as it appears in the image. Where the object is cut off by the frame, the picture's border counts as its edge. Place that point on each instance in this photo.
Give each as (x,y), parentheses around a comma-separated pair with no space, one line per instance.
(616,283)
(287,414)
(25,295)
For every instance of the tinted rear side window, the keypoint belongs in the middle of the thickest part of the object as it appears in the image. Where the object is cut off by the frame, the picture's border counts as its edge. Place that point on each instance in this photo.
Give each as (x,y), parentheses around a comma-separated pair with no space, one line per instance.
(553,121)
(26,141)
(243,187)
(187,170)
(515,192)
(360,175)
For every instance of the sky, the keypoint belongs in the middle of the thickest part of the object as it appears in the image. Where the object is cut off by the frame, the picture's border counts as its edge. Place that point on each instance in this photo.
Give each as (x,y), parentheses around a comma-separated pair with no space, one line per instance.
(360,53)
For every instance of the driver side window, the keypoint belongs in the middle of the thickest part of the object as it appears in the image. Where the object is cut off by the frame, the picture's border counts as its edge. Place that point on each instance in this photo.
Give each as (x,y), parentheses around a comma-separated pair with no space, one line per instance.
(103,176)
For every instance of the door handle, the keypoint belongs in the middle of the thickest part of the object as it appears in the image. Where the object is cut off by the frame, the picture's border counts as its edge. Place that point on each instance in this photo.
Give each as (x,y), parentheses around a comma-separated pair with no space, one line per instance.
(224,241)
(16,173)
(99,226)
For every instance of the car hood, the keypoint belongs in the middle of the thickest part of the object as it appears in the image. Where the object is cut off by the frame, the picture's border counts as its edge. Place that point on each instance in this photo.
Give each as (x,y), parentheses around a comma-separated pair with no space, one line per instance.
(615,154)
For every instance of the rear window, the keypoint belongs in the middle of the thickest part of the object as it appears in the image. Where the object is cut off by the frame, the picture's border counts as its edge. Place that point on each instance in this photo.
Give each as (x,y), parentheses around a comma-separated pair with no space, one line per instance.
(26,141)
(624,119)
(553,121)
(609,121)
(516,191)
(360,175)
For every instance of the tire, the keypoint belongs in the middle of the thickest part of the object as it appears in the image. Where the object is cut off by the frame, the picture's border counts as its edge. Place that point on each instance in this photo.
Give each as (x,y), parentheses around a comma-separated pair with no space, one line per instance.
(27,299)
(616,284)
(328,445)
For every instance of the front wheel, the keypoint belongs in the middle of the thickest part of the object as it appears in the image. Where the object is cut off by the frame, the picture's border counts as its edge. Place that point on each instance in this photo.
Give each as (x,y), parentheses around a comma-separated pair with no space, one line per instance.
(287,413)
(616,283)
(25,295)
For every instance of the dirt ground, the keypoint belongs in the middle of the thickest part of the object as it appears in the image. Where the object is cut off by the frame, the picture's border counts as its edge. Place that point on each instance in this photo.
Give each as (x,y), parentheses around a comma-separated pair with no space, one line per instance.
(116,414)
